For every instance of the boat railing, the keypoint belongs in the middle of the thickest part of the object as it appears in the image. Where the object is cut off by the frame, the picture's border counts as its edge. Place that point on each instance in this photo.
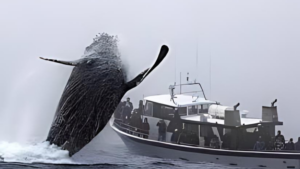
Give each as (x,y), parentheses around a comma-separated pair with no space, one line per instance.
(130,129)
(172,88)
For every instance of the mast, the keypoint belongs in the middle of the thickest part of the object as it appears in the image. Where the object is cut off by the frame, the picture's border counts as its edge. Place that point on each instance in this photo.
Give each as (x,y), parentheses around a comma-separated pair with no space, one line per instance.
(210,76)
(180,82)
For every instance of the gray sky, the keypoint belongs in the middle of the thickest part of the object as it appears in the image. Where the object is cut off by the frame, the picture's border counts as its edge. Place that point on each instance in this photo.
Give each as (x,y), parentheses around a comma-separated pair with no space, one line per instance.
(253,46)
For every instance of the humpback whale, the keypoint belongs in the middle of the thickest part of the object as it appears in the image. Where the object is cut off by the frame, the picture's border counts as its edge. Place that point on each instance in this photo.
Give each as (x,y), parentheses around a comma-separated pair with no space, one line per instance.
(95,88)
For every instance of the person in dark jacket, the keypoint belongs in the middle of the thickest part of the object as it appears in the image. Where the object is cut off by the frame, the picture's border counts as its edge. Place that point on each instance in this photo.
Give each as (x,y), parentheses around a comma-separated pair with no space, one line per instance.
(127,109)
(183,138)
(136,120)
(290,145)
(297,145)
(270,144)
(146,128)
(279,141)
(175,136)
(175,123)
(259,145)
(141,108)
(280,137)
(162,129)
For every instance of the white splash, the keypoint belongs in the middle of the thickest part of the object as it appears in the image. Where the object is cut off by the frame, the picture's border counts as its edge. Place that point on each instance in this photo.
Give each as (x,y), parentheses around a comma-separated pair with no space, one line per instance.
(38,153)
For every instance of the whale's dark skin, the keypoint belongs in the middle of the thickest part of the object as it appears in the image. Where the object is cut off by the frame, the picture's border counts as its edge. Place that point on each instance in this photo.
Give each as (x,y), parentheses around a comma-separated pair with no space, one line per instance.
(93,91)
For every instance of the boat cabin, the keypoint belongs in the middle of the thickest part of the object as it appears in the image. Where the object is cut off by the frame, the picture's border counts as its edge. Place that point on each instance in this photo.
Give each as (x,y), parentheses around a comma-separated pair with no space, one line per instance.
(191,119)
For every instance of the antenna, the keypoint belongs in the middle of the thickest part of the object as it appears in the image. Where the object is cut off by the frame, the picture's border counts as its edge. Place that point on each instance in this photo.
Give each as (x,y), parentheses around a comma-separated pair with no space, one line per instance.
(180,82)
(210,75)
(187,77)
(175,65)
(197,60)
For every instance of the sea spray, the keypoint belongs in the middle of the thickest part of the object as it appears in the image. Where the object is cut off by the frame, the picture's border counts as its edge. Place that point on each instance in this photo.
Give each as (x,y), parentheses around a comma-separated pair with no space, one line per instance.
(30,153)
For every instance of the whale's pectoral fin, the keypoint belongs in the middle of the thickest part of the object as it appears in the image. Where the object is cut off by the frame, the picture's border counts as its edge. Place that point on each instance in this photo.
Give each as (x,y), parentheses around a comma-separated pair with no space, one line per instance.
(162,54)
(139,78)
(136,81)
(71,63)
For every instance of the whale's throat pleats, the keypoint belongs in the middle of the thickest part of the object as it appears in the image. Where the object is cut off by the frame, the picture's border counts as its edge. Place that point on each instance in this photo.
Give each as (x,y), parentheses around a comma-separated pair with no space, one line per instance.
(87,103)
(92,93)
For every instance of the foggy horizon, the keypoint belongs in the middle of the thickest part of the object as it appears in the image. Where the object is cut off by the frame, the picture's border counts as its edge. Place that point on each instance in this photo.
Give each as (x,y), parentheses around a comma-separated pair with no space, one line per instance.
(247,52)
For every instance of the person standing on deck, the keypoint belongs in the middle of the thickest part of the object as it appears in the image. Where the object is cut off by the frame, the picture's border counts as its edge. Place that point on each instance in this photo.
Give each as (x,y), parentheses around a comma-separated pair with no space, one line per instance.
(259,145)
(146,128)
(141,108)
(290,145)
(297,145)
(162,129)
(127,110)
(279,141)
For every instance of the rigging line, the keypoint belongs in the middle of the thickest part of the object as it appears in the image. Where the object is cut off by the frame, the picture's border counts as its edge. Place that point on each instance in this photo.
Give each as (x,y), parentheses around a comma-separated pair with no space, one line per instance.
(197,60)
(175,65)
(210,74)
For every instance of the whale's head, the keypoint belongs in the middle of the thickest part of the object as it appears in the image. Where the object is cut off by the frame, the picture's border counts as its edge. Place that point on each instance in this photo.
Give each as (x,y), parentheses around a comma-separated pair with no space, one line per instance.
(92,93)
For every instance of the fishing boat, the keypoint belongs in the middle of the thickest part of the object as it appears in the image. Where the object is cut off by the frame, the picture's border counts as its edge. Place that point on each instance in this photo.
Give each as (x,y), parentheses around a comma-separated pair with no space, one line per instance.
(186,125)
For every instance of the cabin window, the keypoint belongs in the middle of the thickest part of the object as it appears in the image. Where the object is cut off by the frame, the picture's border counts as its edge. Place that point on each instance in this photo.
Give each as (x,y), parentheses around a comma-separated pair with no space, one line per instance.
(203,108)
(167,112)
(193,110)
(190,135)
(192,128)
(182,111)
(159,111)
(156,110)
(252,130)
(149,109)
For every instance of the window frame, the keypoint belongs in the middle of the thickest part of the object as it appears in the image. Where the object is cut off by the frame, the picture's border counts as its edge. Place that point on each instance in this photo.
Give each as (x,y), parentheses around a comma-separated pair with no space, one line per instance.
(146,106)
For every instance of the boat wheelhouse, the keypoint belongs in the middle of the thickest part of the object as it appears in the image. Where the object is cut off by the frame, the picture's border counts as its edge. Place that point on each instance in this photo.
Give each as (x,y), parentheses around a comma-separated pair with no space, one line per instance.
(190,127)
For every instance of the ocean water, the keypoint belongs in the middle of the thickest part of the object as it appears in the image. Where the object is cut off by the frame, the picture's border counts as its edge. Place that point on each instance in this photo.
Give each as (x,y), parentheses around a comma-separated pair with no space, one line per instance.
(106,151)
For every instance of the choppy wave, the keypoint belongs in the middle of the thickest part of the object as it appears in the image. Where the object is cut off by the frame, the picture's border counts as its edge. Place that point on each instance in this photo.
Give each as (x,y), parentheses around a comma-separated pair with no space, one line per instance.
(59,166)
(34,153)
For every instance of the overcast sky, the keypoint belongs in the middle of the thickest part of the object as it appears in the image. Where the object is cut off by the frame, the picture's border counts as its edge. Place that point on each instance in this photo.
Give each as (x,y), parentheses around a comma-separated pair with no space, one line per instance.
(253,48)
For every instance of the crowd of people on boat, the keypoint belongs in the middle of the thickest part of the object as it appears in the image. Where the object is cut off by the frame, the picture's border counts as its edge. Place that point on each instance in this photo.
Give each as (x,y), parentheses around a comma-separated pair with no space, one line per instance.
(133,117)
(277,143)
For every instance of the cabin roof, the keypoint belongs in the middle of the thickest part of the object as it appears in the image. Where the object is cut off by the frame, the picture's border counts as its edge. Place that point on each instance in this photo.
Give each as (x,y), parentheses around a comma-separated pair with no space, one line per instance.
(245,122)
(180,100)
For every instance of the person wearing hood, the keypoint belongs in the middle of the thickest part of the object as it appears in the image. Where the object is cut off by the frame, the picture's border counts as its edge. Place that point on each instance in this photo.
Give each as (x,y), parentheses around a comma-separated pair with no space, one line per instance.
(290,145)
(297,145)
(146,128)
(175,123)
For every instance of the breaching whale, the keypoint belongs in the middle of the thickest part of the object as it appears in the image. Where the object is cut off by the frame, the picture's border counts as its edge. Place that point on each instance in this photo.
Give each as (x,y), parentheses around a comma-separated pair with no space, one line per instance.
(92,93)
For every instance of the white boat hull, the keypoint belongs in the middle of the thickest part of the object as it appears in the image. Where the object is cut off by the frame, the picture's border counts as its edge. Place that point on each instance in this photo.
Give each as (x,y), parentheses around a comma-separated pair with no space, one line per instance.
(158,149)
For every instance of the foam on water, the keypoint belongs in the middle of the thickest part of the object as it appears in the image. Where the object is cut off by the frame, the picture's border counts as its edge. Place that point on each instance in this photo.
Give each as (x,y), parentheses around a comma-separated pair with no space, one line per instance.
(34,153)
